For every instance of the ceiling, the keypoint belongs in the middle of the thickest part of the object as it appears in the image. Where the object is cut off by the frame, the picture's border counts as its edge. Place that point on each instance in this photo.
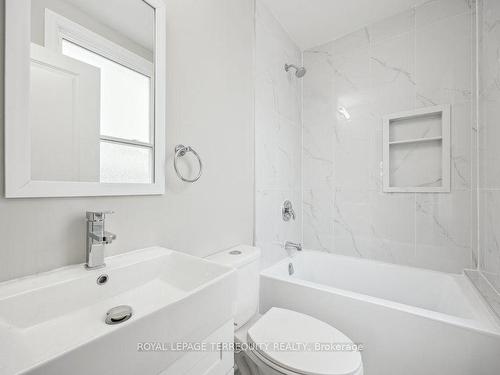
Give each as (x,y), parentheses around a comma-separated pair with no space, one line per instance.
(314,22)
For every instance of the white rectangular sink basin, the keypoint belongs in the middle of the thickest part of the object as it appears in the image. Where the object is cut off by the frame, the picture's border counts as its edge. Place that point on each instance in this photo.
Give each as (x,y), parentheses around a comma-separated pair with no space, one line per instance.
(54,323)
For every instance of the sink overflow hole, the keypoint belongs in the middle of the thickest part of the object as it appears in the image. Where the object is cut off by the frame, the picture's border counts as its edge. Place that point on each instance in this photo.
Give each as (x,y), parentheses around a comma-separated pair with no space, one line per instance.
(102,279)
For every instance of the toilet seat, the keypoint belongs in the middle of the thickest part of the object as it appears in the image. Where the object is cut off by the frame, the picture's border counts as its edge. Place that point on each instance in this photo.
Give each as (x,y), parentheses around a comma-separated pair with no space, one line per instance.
(280,330)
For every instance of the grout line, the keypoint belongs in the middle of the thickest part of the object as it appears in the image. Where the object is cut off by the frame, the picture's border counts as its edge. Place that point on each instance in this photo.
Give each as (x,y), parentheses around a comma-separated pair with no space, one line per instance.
(302,154)
(477,124)
(254,148)
(415,226)
(415,104)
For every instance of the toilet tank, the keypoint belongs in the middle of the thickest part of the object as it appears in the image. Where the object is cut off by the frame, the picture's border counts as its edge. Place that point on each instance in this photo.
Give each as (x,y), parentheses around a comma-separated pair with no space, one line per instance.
(246,261)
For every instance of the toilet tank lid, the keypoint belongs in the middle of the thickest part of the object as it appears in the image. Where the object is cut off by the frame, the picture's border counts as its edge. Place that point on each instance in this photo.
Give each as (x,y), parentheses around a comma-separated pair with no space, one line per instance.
(236,256)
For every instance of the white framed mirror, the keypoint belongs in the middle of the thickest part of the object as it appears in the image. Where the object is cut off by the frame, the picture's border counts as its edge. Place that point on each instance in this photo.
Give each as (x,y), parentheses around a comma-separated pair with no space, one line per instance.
(84,98)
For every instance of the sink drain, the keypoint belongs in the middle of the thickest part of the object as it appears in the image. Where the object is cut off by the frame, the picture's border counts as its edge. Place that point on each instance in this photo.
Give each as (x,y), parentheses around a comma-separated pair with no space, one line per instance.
(118,314)
(102,279)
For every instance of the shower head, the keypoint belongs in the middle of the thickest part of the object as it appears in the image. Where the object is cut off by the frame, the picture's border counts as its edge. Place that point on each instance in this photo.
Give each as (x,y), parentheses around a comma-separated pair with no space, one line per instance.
(299,71)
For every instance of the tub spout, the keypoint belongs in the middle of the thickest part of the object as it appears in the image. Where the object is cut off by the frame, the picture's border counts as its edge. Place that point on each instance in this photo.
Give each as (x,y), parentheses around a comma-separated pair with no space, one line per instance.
(293,246)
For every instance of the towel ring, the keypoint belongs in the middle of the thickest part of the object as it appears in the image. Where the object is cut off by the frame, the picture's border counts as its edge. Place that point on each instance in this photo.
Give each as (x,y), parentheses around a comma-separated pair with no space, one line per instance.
(180,151)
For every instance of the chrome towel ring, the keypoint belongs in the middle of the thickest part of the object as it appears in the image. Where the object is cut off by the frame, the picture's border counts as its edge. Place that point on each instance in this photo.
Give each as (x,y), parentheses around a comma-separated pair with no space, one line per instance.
(180,151)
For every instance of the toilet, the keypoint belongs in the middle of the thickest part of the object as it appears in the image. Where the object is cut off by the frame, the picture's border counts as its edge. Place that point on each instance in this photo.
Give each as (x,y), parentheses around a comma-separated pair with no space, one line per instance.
(274,342)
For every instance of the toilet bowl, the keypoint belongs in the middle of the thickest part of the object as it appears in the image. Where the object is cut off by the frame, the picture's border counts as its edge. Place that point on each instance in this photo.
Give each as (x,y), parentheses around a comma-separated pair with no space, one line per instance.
(282,341)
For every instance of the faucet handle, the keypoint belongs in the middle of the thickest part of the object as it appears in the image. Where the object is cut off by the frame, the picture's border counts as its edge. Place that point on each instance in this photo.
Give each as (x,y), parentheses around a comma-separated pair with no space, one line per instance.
(287,211)
(98,215)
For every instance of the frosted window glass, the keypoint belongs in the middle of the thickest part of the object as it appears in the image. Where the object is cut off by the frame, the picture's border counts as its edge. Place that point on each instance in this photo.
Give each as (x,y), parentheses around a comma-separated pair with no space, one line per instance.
(125,96)
(122,163)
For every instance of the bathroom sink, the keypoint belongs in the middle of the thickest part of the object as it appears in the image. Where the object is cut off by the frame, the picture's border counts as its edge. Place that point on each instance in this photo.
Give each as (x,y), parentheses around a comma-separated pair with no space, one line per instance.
(54,323)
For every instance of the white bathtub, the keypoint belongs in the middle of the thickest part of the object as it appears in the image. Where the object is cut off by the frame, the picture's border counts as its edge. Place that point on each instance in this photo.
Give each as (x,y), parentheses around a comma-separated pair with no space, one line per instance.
(411,321)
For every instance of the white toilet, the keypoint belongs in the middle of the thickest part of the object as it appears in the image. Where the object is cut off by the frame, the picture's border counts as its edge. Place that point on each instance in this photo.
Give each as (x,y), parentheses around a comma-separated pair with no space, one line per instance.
(268,336)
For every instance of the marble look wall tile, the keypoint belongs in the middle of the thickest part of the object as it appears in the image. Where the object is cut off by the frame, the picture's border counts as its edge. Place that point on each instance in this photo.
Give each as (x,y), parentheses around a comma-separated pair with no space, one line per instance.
(375,166)
(352,222)
(436,10)
(390,27)
(444,61)
(489,231)
(318,209)
(274,49)
(387,250)
(392,90)
(489,153)
(372,225)
(490,96)
(288,102)
(317,157)
(388,67)
(278,157)
(443,231)
(348,86)
(489,133)
(351,83)
(318,219)
(352,160)
(318,105)
(350,42)
(392,224)
(393,74)
(278,138)
(489,61)
(318,241)
(462,134)
(393,216)
(415,164)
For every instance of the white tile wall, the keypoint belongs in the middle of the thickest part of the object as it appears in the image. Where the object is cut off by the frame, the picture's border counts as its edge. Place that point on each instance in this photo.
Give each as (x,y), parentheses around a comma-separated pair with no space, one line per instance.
(278,132)
(418,58)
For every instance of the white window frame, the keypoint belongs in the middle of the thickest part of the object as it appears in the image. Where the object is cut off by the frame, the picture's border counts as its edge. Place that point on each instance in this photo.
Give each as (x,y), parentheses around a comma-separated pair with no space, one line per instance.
(18,181)
(59,28)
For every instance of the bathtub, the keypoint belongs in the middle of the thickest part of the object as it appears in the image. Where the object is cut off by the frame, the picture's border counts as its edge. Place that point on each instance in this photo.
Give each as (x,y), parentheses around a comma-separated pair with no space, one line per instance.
(410,321)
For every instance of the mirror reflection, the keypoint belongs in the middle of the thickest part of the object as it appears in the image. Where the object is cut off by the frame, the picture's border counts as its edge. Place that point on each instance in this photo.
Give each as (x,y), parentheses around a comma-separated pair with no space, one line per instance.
(91,108)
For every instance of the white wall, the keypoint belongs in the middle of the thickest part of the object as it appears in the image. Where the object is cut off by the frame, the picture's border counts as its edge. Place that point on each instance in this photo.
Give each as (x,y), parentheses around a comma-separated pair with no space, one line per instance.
(209,106)
(278,137)
(419,58)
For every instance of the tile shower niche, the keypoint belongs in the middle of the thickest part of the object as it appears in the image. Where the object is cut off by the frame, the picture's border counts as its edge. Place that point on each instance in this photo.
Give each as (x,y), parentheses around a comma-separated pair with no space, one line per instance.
(417,150)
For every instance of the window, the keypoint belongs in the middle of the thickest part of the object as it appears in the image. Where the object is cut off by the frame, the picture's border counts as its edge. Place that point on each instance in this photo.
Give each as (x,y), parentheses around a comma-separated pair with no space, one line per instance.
(126,100)
(125,118)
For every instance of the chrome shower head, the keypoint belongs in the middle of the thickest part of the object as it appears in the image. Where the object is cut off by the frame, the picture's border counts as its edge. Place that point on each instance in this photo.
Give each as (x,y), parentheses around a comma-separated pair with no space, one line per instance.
(299,71)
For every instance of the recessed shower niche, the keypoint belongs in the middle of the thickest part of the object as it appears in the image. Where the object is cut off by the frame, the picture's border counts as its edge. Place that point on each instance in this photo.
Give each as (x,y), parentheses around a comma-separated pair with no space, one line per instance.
(417,151)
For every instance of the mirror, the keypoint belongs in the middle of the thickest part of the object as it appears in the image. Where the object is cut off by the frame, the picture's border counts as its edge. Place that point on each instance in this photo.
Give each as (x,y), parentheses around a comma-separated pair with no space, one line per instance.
(90,75)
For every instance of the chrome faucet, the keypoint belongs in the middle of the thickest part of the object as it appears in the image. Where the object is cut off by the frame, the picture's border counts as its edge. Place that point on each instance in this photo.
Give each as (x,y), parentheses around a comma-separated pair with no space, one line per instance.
(293,246)
(97,237)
